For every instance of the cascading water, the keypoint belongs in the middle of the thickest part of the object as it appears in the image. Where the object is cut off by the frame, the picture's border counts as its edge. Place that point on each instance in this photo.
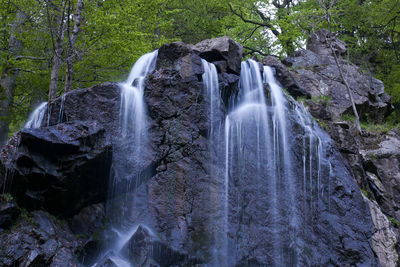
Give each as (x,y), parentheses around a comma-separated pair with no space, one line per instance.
(36,117)
(129,158)
(215,137)
(61,111)
(260,170)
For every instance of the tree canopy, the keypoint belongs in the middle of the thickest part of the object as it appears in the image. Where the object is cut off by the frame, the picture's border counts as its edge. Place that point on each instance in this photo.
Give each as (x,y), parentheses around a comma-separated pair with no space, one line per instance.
(49,47)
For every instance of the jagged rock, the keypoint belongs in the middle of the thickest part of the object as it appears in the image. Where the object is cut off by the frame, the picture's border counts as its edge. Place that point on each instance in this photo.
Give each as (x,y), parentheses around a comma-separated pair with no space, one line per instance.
(381,160)
(70,173)
(8,211)
(38,240)
(221,49)
(73,170)
(384,240)
(107,261)
(178,198)
(316,72)
(144,249)
(98,103)
(320,43)
(180,57)
(88,225)
(283,75)
(89,220)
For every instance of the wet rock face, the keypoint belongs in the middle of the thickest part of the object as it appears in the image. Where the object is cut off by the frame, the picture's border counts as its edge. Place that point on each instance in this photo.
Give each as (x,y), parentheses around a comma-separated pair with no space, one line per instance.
(181,191)
(65,166)
(179,198)
(145,250)
(71,172)
(283,75)
(38,240)
(8,211)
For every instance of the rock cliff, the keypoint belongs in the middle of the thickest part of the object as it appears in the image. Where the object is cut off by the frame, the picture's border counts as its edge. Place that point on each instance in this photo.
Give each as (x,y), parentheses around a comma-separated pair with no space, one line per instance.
(55,178)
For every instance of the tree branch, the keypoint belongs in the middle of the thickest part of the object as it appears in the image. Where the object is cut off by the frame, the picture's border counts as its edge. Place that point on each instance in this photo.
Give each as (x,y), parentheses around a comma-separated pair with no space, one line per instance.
(255,51)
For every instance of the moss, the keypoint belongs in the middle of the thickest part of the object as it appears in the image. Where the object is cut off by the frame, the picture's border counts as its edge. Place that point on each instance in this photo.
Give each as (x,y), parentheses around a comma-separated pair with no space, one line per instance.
(7,197)
(25,215)
(323,124)
(348,117)
(364,191)
(322,99)
(394,222)
(301,99)
(379,128)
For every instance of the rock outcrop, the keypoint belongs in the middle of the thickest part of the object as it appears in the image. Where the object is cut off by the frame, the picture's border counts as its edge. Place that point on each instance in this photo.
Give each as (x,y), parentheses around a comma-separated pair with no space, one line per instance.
(38,239)
(64,167)
(315,71)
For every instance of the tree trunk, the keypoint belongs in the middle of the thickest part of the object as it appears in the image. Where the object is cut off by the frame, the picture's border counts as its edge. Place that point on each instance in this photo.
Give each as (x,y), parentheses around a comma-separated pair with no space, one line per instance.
(357,118)
(57,58)
(8,80)
(72,40)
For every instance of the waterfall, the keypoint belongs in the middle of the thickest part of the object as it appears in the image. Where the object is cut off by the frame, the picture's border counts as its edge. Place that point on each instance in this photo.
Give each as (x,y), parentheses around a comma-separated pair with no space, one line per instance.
(261,174)
(129,158)
(36,117)
(248,147)
(215,144)
(61,111)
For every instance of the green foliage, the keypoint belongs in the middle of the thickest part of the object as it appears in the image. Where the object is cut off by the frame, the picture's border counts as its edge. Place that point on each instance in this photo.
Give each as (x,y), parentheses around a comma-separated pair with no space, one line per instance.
(348,117)
(364,191)
(26,216)
(394,221)
(323,124)
(7,197)
(379,128)
(322,99)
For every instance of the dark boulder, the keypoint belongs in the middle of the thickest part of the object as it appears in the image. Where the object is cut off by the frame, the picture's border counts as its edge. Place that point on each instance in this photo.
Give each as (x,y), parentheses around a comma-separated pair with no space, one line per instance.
(283,75)
(88,221)
(65,166)
(222,51)
(8,211)
(98,103)
(71,172)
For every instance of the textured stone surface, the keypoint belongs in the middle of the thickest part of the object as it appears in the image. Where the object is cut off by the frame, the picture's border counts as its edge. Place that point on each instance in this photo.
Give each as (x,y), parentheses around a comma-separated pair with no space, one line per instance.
(316,72)
(320,42)
(384,240)
(283,75)
(178,199)
(381,161)
(73,169)
(8,211)
(38,240)
(71,172)
(221,49)
(146,250)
